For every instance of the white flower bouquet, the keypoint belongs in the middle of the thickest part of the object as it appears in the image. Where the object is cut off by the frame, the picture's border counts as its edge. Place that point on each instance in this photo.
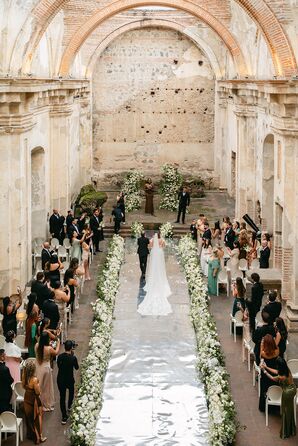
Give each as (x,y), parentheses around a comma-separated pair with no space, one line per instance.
(211,367)
(166,230)
(88,400)
(170,184)
(136,229)
(132,190)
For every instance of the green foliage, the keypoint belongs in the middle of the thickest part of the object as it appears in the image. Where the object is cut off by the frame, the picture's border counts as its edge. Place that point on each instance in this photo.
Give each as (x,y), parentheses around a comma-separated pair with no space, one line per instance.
(170,184)
(89,201)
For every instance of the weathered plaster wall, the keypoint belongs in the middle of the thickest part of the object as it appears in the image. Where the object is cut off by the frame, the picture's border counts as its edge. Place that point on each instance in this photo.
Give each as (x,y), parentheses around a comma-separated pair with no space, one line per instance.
(153,95)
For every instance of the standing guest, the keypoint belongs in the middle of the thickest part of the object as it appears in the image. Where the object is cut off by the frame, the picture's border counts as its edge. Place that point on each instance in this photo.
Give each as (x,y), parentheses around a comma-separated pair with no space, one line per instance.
(61,299)
(200,226)
(56,225)
(32,403)
(205,255)
(257,293)
(86,256)
(213,270)
(183,202)
(260,332)
(236,228)
(9,311)
(281,335)
(149,191)
(229,236)
(82,221)
(273,307)
(32,305)
(67,363)
(207,234)
(269,355)
(40,289)
(121,204)
(69,219)
(44,327)
(143,251)
(44,352)
(76,246)
(234,256)
(51,311)
(100,216)
(282,375)
(194,230)
(117,215)
(225,222)
(53,268)
(31,333)
(264,254)
(73,228)
(70,280)
(13,356)
(45,255)
(6,381)
(96,229)
(238,290)
(216,233)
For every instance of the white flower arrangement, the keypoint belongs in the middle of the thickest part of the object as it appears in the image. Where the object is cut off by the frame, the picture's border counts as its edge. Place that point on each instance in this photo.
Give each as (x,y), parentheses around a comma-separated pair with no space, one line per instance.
(136,229)
(132,190)
(211,366)
(166,230)
(170,184)
(88,400)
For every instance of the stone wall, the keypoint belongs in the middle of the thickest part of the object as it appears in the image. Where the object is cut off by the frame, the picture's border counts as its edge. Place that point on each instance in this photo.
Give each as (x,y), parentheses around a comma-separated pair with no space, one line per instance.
(153,95)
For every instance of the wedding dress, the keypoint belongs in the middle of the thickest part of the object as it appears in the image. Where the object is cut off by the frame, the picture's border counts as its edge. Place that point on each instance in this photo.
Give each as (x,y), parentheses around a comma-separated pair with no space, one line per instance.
(157,286)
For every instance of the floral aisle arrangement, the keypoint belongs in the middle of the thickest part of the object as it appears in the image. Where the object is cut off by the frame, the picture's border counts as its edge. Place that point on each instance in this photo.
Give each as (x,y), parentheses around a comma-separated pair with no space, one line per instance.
(136,229)
(211,366)
(132,190)
(169,187)
(88,401)
(166,230)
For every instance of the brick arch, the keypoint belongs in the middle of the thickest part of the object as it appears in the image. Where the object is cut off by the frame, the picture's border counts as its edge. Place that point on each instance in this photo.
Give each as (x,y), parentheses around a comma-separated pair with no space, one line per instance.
(282,53)
(162,23)
(103,14)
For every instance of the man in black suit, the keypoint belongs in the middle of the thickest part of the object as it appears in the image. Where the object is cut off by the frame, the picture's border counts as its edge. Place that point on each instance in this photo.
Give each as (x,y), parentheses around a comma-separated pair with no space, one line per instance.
(73,227)
(50,310)
(69,219)
(143,251)
(264,254)
(273,307)
(257,293)
(260,332)
(40,289)
(194,230)
(95,228)
(207,235)
(118,216)
(56,224)
(229,236)
(45,254)
(6,381)
(184,201)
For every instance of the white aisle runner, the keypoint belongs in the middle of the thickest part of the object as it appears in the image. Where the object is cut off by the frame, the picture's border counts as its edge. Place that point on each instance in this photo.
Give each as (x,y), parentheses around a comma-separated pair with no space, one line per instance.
(151,394)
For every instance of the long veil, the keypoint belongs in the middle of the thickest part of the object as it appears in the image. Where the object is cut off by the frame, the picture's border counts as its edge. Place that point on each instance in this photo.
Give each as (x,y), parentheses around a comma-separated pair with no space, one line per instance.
(157,286)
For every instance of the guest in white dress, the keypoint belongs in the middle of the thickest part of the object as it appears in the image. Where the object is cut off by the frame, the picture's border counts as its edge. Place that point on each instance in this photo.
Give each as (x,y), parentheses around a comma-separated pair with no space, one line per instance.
(76,251)
(205,254)
(13,356)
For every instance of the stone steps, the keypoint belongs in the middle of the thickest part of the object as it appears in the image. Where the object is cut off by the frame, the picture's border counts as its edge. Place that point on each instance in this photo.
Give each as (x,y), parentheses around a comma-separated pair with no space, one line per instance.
(125,231)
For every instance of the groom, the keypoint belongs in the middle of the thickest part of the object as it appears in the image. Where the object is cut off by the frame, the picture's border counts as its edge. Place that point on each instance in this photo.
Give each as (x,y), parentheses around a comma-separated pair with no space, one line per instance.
(143,252)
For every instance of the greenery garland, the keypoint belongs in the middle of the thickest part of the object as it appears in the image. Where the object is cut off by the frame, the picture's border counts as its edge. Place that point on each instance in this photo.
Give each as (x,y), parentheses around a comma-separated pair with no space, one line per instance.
(132,190)
(211,365)
(170,185)
(88,401)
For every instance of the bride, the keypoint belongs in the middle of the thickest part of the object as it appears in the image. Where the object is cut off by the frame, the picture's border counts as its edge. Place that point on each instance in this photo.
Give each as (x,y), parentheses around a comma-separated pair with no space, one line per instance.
(157,287)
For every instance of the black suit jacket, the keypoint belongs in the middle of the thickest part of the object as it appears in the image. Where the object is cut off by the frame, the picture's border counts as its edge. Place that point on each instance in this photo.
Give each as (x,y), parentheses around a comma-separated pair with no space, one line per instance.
(264,257)
(229,238)
(184,199)
(6,381)
(273,309)
(94,223)
(257,293)
(194,232)
(207,234)
(143,243)
(50,310)
(45,257)
(71,229)
(42,292)
(56,224)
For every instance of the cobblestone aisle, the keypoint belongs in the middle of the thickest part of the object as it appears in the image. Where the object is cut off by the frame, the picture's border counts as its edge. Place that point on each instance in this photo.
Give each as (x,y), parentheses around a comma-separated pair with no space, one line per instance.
(151,395)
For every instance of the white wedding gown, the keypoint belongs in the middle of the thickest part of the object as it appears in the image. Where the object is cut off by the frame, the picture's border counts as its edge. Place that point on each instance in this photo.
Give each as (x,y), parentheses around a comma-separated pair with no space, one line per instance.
(157,286)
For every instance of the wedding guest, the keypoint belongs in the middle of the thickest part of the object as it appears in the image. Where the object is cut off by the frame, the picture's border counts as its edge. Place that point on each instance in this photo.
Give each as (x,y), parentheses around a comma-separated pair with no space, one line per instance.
(62,298)
(238,291)
(200,228)
(183,203)
(70,280)
(205,255)
(193,230)
(213,270)
(229,236)
(82,221)
(51,311)
(207,235)
(74,228)
(260,332)
(234,255)
(273,307)
(257,293)
(32,403)
(236,228)
(69,219)
(216,233)
(85,258)
(95,225)
(45,254)
(43,352)
(13,355)
(117,215)
(56,224)
(53,268)
(32,305)
(269,354)
(44,327)
(264,254)
(76,246)
(40,289)
(149,192)
(31,333)
(6,381)
(121,204)
(9,311)
(281,335)
(225,222)
(67,363)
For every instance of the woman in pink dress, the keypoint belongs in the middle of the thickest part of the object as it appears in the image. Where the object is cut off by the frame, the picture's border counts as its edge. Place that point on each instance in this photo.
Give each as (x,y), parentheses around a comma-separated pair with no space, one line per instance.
(13,356)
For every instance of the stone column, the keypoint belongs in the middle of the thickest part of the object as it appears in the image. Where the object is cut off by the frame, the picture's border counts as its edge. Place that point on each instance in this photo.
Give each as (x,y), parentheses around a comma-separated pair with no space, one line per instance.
(220,149)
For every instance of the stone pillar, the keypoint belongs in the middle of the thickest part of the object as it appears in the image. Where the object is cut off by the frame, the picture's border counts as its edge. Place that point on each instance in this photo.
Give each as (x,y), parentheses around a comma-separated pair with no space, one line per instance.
(86,153)
(220,149)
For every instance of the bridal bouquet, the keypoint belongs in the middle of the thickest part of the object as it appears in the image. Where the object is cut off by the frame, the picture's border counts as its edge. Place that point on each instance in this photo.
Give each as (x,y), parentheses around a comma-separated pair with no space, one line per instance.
(136,229)
(166,230)
(170,184)
(222,414)
(88,401)
(132,190)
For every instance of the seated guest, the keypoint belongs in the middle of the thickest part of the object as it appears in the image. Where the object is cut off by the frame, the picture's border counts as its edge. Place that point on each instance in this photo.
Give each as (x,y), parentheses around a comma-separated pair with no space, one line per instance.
(41,290)
(273,307)
(264,254)
(45,254)
(238,290)
(269,355)
(13,356)
(6,381)
(281,335)
(9,311)
(31,333)
(51,311)
(193,230)
(260,332)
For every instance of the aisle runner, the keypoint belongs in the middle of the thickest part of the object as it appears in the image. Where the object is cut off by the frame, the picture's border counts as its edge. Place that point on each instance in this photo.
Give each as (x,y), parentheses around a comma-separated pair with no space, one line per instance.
(151,395)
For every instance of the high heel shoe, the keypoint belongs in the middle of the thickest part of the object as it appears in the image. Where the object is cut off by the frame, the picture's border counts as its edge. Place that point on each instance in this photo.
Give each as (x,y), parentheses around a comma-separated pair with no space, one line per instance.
(43,439)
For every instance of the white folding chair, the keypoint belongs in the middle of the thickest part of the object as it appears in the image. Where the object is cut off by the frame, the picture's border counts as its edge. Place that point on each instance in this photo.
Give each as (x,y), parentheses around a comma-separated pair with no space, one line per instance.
(54,243)
(19,393)
(256,370)
(20,342)
(37,256)
(259,320)
(9,423)
(1,318)
(236,321)
(255,264)
(293,366)
(243,265)
(2,341)
(62,253)
(248,347)
(67,246)
(273,398)
(222,278)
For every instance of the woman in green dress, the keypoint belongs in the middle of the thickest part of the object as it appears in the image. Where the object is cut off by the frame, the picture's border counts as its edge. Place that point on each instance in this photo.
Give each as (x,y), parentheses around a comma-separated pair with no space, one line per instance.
(213,270)
(285,380)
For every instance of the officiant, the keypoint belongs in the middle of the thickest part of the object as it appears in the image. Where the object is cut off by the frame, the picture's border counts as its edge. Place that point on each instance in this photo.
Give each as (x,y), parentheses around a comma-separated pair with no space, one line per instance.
(149,191)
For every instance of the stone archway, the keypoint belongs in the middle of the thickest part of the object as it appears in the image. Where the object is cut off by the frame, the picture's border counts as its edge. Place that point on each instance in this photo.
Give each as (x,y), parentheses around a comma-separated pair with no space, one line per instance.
(38,206)
(268,184)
